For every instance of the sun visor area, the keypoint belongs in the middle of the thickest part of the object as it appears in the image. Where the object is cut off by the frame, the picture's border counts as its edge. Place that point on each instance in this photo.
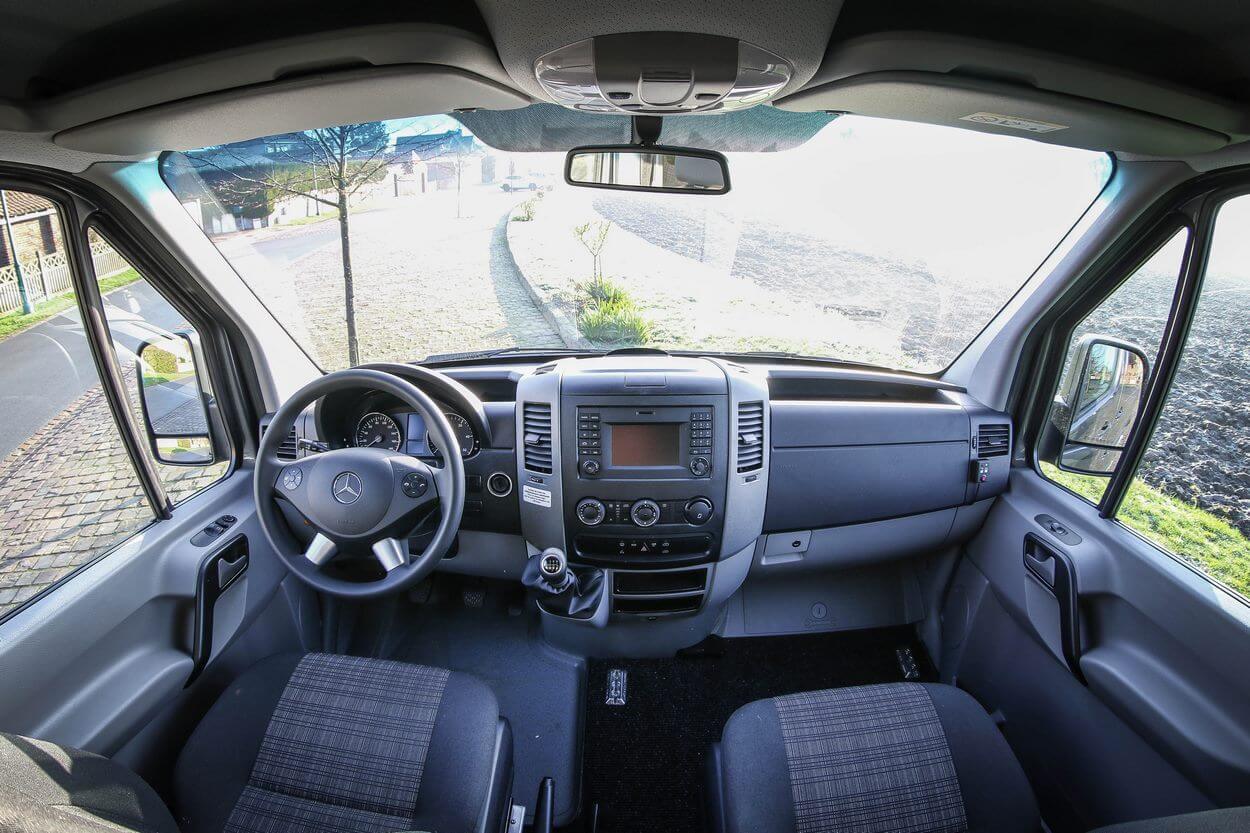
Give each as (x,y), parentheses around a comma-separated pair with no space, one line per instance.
(310,101)
(549,127)
(995,88)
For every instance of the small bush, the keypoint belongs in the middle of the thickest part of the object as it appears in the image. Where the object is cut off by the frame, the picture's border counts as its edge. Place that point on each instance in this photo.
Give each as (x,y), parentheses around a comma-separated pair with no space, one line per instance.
(617,322)
(604,291)
(525,211)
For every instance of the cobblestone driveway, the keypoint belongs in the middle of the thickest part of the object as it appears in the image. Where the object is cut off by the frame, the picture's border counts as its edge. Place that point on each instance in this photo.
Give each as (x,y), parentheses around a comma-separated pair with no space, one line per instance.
(68,494)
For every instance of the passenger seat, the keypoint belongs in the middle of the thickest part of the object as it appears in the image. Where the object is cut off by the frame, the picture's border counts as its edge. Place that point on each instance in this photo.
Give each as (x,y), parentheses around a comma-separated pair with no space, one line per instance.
(878,758)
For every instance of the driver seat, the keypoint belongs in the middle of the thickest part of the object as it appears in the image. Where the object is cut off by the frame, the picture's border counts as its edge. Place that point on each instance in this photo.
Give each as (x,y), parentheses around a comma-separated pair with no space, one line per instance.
(297,744)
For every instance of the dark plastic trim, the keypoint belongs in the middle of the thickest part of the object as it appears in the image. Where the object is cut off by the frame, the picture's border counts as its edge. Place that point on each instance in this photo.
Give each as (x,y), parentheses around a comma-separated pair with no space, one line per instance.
(1062,584)
(218,571)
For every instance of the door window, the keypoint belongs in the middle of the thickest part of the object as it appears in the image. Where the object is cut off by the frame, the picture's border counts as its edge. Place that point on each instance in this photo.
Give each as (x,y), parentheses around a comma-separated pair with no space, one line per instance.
(1191,491)
(1100,389)
(157,351)
(69,491)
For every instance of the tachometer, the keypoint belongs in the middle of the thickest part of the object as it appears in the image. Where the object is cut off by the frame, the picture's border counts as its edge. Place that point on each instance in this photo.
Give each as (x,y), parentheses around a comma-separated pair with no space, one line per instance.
(464,435)
(377,430)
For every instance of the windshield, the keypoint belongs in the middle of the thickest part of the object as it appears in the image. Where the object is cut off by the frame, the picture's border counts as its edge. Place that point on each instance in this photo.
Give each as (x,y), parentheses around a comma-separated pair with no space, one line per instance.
(874,241)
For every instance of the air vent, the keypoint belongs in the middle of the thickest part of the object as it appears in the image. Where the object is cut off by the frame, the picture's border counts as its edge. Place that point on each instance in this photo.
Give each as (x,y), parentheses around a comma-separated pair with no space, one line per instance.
(750,436)
(547,368)
(289,448)
(536,426)
(993,441)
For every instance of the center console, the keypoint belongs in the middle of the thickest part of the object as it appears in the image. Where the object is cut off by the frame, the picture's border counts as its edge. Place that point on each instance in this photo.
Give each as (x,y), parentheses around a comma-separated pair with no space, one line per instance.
(649,468)
(645,484)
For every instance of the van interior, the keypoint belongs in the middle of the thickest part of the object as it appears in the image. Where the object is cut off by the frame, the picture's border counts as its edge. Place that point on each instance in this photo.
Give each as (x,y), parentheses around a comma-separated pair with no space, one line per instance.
(509,417)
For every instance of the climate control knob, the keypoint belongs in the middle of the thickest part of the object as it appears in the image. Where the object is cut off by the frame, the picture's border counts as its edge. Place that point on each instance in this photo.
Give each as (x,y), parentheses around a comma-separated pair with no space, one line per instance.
(644,512)
(700,466)
(698,511)
(590,511)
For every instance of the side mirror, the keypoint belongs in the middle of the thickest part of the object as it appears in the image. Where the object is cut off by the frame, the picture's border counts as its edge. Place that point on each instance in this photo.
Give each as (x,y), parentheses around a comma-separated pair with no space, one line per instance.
(1100,404)
(648,168)
(172,402)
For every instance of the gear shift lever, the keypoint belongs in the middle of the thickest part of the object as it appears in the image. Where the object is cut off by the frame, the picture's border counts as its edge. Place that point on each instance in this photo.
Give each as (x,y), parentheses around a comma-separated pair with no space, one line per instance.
(555,569)
(560,589)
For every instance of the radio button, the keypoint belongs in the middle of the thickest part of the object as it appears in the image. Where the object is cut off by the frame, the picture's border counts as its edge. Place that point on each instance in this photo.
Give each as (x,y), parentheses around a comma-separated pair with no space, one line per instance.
(700,467)
(590,467)
(698,511)
(590,511)
(644,512)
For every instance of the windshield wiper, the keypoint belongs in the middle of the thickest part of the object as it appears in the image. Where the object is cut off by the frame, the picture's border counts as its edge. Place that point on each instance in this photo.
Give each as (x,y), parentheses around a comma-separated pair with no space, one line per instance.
(444,358)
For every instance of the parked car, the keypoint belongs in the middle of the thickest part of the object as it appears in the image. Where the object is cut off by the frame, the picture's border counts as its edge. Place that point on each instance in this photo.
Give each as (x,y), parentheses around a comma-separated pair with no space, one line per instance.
(519,182)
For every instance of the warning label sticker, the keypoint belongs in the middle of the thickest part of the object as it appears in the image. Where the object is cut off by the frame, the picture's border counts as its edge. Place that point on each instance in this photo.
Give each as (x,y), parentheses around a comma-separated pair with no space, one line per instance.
(1014,122)
(536,496)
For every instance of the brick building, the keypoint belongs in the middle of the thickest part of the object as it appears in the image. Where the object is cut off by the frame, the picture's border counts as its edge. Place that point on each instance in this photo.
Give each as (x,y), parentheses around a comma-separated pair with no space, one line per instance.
(36,227)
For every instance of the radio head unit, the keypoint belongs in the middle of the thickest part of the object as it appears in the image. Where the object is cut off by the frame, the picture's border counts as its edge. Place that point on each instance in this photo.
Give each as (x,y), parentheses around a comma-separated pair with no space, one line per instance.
(645,443)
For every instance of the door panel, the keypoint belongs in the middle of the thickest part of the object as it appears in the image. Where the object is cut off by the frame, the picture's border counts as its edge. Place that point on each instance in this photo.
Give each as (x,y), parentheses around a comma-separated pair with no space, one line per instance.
(92,661)
(1166,655)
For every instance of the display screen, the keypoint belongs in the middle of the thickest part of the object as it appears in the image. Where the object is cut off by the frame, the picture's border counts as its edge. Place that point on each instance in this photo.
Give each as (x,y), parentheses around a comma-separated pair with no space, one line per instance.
(645,444)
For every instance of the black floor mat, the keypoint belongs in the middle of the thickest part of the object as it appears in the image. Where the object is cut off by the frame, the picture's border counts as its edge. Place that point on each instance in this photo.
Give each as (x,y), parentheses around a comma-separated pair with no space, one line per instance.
(644,760)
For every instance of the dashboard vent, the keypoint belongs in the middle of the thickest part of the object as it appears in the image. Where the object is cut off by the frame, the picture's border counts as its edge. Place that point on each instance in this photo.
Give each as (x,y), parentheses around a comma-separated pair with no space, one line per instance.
(993,441)
(289,448)
(750,436)
(536,425)
(547,368)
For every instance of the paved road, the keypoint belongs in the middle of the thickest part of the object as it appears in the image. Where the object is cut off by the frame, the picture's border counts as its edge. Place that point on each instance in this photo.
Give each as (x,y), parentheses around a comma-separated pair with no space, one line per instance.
(47,367)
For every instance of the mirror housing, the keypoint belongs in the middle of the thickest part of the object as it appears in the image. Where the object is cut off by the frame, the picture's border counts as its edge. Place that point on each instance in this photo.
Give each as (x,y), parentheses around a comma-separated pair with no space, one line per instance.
(1100,403)
(653,168)
(172,402)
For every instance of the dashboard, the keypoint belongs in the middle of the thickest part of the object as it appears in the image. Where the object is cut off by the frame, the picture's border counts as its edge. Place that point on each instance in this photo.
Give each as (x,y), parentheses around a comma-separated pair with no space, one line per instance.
(679,476)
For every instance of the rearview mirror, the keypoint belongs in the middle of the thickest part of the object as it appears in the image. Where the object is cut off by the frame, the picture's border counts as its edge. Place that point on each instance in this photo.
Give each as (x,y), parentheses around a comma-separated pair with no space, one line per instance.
(172,403)
(648,168)
(1104,393)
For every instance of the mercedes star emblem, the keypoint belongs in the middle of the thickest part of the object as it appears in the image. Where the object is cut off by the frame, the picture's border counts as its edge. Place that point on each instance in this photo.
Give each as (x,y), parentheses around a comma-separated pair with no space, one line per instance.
(346,487)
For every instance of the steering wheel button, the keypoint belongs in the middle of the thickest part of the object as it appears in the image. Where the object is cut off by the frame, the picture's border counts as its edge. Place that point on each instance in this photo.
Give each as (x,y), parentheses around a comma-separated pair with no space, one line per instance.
(292,477)
(414,485)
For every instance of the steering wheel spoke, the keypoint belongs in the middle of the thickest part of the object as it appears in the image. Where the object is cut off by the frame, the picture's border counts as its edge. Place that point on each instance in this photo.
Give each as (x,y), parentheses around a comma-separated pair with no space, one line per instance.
(391,553)
(320,550)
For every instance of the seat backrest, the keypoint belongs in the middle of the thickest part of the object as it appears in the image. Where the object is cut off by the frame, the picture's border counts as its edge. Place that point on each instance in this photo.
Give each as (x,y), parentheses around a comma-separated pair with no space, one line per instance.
(45,787)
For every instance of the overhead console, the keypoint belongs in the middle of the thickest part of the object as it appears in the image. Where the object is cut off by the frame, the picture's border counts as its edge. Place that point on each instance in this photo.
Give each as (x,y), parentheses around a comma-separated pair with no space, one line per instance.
(644,463)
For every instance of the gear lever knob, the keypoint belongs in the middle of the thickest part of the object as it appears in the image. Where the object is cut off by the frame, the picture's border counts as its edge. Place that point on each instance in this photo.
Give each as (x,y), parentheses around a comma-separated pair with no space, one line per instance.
(554,566)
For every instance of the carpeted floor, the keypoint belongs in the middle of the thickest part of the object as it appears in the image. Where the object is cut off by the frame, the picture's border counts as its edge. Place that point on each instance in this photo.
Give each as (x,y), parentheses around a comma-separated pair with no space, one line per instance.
(644,760)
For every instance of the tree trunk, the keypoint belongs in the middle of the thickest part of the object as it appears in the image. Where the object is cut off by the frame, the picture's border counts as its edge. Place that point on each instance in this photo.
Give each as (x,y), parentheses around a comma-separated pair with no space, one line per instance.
(349,307)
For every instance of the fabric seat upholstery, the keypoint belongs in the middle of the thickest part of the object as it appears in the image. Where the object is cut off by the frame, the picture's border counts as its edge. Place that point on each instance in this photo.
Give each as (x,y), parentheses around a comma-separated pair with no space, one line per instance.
(893,758)
(323,742)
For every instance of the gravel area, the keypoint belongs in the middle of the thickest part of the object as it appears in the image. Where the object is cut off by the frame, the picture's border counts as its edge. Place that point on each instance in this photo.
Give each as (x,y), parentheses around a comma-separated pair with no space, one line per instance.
(425,282)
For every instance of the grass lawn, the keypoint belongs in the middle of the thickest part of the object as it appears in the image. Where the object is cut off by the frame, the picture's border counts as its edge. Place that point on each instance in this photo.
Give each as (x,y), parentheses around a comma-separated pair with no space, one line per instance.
(1201,538)
(15,322)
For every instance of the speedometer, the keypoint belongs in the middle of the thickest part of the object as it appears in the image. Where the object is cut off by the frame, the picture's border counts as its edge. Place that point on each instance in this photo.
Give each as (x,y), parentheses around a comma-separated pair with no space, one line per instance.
(464,435)
(377,430)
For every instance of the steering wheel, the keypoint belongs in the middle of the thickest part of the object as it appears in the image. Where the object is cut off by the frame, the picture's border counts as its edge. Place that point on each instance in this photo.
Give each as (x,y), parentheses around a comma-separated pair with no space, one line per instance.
(359,499)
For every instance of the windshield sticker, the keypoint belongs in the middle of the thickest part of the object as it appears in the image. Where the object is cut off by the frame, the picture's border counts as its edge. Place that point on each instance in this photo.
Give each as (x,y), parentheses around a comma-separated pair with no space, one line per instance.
(1014,122)
(538,497)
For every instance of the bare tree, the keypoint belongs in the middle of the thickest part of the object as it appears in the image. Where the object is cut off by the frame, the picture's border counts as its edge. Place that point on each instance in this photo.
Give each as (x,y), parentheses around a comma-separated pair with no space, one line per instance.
(328,165)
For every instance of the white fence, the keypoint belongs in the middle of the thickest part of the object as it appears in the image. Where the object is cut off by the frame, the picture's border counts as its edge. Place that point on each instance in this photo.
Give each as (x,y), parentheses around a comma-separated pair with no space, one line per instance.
(47,276)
